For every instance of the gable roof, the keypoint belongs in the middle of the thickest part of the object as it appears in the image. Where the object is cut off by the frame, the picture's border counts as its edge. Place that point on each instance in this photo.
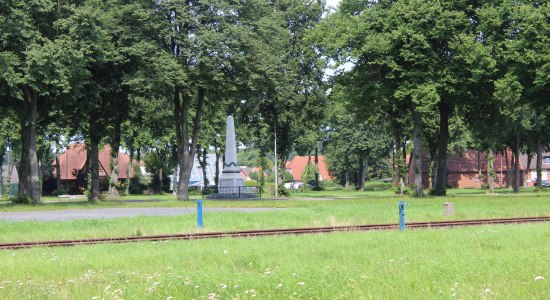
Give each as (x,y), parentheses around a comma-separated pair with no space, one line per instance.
(297,165)
(73,161)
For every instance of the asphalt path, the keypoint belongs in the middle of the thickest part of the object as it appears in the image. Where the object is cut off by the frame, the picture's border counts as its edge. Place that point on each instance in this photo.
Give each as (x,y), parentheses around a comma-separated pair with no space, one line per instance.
(109,213)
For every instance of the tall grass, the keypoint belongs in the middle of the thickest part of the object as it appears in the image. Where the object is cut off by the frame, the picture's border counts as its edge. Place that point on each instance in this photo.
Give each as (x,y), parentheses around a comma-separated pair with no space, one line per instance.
(507,262)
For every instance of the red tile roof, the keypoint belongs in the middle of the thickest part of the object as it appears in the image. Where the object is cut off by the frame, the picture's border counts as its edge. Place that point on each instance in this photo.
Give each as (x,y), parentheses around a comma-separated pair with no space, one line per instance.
(73,161)
(297,165)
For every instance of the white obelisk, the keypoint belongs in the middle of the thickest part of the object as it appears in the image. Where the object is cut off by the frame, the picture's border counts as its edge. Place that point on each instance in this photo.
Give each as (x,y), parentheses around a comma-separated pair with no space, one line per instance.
(230,180)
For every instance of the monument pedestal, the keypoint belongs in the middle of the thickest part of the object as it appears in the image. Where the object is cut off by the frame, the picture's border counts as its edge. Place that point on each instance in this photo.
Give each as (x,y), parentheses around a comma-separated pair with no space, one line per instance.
(231,182)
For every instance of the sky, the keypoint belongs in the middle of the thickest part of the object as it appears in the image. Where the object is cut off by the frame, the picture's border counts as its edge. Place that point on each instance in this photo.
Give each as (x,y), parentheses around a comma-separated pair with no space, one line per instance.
(332,3)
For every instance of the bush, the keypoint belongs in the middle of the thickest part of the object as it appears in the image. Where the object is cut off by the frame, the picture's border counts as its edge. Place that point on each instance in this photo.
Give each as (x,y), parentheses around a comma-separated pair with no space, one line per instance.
(251,183)
(406,191)
(20,200)
(136,186)
(60,192)
(283,191)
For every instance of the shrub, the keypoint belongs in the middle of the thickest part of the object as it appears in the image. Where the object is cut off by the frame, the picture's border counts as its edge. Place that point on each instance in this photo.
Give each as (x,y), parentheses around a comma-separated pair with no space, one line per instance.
(61,191)
(20,200)
(251,183)
(283,191)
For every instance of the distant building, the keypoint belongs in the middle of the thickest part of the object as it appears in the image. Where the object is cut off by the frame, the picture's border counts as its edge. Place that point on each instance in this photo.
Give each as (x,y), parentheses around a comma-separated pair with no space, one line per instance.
(463,169)
(297,165)
(531,173)
(197,180)
(72,165)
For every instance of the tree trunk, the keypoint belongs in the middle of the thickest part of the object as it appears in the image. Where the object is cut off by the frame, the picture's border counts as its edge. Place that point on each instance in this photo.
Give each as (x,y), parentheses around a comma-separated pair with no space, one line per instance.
(417,161)
(29,178)
(57,168)
(347,173)
(360,182)
(160,191)
(95,192)
(129,172)
(316,167)
(365,171)
(442,147)
(186,149)
(505,153)
(517,177)
(539,160)
(2,152)
(491,171)
(526,173)
(397,157)
(113,180)
(201,157)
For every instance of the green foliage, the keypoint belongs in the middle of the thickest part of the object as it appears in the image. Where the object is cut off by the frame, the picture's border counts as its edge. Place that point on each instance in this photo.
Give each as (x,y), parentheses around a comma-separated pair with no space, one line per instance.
(308,176)
(287,177)
(59,192)
(251,183)
(20,200)
(282,191)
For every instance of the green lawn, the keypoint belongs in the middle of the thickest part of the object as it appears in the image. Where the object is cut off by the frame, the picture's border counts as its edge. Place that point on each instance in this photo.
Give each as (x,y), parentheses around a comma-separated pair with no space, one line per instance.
(290,213)
(505,262)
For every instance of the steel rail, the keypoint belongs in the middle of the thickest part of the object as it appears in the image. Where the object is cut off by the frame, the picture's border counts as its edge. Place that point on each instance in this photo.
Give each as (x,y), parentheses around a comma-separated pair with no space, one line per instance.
(270,232)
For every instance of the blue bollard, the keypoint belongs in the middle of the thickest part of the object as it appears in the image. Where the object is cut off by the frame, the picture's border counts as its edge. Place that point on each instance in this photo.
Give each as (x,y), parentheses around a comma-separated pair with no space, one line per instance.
(199,213)
(401,215)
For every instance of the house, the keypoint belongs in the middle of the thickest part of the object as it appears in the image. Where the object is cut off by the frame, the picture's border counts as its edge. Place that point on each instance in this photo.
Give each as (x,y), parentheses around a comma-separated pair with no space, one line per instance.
(197,179)
(72,165)
(531,173)
(297,165)
(463,169)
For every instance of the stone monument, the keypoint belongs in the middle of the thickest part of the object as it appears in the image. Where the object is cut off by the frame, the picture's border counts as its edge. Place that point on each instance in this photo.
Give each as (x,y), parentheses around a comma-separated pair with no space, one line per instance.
(231,181)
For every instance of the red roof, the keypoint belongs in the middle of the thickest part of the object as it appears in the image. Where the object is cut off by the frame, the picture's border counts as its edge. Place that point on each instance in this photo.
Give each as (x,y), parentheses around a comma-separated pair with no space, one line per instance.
(297,165)
(73,161)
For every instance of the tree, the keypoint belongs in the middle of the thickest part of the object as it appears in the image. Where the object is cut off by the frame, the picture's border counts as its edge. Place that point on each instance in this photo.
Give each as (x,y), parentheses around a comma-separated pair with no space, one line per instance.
(34,68)
(353,143)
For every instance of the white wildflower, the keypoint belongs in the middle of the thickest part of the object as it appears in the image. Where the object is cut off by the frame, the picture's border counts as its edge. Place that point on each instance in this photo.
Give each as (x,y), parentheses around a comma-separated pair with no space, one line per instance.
(225,251)
(279,285)
(223,285)
(301,283)
(539,278)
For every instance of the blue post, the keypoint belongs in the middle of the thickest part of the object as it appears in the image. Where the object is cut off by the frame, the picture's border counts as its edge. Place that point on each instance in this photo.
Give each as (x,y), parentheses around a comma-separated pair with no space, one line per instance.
(199,213)
(401,215)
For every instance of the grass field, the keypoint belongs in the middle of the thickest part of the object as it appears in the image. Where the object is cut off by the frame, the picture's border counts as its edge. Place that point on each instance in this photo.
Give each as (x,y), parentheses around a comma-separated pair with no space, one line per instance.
(292,213)
(503,262)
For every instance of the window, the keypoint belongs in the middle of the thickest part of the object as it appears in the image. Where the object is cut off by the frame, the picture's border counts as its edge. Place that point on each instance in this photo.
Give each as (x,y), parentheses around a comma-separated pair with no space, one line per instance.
(546,160)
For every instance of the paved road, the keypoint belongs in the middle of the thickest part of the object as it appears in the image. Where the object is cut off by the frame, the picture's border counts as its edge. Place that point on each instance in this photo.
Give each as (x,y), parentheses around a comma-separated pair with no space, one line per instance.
(109,213)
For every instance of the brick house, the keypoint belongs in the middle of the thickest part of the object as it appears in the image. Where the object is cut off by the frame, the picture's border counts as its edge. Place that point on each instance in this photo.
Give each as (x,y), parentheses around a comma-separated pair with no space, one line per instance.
(73,165)
(531,174)
(463,169)
(297,165)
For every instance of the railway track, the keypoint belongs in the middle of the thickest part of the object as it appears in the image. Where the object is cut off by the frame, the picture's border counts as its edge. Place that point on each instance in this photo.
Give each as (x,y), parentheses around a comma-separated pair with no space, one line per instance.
(266,232)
